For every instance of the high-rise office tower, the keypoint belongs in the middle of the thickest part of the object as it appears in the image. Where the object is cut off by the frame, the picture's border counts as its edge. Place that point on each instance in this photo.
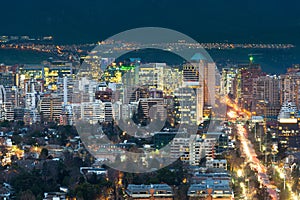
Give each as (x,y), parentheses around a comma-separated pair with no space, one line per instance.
(228,75)
(288,127)
(151,75)
(290,86)
(8,98)
(31,95)
(245,84)
(200,75)
(2,102)
(152,103)
(267,96)
(50,108)
(9,79)
(186,105)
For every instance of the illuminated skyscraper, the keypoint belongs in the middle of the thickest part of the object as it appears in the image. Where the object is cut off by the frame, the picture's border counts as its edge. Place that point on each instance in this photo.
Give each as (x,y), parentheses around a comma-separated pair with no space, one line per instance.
(159,76)
(266,94)
(2,102)
(152,103)
(186,105)
(31,95)
(201,76)
(228,75)
(290,86)
(288,127)
(248,73)
(50,108)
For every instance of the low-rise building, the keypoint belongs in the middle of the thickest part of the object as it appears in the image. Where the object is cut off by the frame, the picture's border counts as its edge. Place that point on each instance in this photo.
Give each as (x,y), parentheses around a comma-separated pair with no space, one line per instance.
(54,196)
(144,192)
(215,185)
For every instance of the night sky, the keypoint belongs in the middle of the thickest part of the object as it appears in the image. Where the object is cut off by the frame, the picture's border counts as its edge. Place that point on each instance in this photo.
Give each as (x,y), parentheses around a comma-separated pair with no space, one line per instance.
(206,21)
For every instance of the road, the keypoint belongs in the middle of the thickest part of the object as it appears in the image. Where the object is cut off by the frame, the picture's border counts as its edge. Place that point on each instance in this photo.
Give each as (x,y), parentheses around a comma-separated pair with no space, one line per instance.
(251,157)
(248,151)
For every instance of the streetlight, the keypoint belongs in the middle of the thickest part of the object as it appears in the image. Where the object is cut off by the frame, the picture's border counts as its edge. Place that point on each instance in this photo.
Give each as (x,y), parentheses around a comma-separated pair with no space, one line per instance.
(240,173)
(282,176)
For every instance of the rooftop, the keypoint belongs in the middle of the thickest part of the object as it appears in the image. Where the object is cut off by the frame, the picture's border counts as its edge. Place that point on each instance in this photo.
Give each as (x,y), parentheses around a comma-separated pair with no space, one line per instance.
(198,57)
(145,190)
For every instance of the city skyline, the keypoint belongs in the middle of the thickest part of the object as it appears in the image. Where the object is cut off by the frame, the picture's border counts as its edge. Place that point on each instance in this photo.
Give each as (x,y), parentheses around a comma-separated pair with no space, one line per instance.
(158,99)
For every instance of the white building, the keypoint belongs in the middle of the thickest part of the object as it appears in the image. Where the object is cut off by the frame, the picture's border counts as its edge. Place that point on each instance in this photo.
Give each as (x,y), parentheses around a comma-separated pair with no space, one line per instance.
(192,149)
(228,75)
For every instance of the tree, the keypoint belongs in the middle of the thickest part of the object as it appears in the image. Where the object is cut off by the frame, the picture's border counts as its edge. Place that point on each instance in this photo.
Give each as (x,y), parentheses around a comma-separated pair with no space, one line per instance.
(87,191)
(44,153)
(20,123)
(27,195)
(17,139)
(5,123)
